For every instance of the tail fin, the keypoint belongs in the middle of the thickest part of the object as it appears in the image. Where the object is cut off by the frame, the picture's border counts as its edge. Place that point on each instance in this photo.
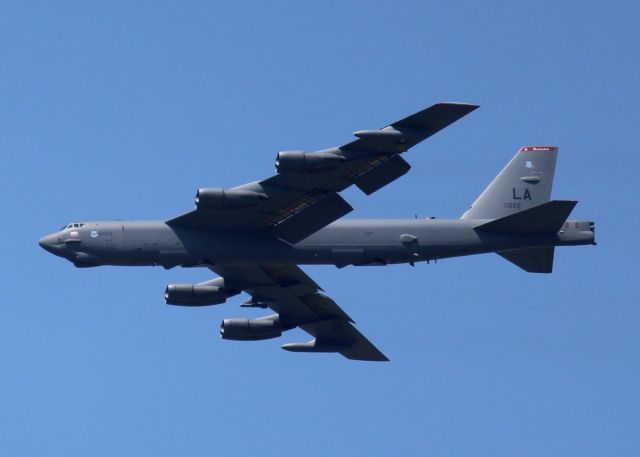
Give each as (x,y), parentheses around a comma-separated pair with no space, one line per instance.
(525,182)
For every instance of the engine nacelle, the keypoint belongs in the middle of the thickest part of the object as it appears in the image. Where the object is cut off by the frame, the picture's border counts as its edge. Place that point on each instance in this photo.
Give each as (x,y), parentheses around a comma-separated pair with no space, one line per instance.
(300,161)
(227,198)
(194,295)
(242,329)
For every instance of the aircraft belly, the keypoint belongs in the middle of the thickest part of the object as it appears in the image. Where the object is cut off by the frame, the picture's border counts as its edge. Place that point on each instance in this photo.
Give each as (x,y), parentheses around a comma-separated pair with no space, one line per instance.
(384,242)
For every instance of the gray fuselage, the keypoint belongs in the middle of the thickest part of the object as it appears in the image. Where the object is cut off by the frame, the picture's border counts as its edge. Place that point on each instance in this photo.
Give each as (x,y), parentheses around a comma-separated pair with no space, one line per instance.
(345,242)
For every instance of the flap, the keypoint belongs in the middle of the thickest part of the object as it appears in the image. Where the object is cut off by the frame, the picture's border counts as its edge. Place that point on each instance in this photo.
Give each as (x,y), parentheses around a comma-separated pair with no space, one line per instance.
(382,175)
(312,218)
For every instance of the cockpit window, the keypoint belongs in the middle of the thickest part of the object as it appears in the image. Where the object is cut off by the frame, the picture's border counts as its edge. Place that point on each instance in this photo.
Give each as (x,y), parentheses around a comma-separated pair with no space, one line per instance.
(74,225)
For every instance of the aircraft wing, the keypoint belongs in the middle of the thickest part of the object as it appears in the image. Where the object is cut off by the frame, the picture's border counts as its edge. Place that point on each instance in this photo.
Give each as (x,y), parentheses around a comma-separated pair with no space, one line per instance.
(299,302)
(303,197)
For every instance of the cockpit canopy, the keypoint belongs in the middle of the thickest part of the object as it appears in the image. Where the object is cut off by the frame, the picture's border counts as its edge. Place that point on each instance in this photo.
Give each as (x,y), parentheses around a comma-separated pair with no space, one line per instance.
(74,225)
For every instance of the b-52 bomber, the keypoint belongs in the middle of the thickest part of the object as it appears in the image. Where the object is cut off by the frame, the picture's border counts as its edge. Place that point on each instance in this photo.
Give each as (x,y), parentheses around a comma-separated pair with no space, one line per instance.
(255,235)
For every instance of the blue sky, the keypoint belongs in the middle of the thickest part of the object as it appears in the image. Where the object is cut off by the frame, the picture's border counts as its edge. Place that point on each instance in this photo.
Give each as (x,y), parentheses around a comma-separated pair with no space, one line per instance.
(120,110)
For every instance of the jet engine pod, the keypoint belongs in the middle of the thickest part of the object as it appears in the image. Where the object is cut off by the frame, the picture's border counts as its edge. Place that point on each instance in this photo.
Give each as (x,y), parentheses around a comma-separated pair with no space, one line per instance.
(194,295)
(242,329)
(299,161)
(227,199)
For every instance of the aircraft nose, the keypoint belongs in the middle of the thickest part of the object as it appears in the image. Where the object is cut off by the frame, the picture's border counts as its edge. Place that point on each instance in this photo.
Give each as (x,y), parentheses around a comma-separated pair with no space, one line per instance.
(49,243)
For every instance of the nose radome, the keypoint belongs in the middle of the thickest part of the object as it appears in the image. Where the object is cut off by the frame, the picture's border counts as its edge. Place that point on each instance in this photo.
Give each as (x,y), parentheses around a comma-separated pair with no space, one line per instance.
(47,243)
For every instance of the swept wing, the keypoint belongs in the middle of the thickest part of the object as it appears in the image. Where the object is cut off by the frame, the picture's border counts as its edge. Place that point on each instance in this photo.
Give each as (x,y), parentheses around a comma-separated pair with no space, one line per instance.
(303,197)
(299,302)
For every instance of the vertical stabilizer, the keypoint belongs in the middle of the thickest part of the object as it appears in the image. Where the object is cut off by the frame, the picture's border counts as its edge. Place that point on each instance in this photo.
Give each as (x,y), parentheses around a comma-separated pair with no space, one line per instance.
(525,182)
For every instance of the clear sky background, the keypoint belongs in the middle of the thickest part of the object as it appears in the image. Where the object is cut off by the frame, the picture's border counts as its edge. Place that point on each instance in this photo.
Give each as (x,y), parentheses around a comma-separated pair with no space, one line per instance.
(123,109)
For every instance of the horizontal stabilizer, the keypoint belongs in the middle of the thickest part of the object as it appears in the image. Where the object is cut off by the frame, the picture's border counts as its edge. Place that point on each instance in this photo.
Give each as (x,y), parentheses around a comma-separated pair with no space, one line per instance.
(533,260)
(545,219)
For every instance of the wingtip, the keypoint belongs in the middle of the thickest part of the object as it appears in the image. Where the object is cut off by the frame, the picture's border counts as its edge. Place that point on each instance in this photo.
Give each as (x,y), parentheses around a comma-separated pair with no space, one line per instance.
(469,106)
(371,355)
(377,358)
